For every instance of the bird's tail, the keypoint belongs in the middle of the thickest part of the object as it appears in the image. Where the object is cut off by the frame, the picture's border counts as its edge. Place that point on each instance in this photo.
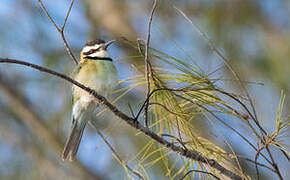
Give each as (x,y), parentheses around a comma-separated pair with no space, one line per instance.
(73,142)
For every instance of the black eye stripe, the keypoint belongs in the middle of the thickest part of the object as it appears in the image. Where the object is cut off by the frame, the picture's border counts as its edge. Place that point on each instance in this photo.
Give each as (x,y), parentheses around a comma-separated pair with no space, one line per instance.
(92,51)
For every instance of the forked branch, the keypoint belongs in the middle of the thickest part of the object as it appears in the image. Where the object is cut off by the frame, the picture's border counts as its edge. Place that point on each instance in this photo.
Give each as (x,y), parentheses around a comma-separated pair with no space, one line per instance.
(61,30)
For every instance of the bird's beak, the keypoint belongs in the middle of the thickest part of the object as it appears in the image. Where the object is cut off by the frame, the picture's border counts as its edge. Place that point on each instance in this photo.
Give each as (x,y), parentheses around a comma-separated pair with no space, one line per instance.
(108,44)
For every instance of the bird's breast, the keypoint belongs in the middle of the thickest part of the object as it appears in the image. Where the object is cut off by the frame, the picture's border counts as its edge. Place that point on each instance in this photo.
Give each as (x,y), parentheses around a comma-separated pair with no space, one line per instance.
(98,75)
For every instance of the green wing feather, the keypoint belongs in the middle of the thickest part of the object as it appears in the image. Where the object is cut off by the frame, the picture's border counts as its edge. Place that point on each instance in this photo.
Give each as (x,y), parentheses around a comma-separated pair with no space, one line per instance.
(73,75)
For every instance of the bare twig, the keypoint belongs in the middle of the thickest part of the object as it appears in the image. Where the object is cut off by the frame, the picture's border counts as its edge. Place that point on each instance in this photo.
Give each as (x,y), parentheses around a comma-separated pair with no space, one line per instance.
(276,169)
(147,66)
(256,160)
(132,122)
(131,110)
(115,152)
(67,14)
(47,14)
(178,128)
(163,106)
(275,166)
(284,153)
(165,89)
(61,30)
(200,172)
(259,164)
(177,139)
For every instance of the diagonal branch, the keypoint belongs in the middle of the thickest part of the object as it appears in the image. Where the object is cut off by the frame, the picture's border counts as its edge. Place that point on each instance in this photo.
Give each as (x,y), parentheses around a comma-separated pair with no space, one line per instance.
(67,14)
(132,122)
(47,14)
(259,164)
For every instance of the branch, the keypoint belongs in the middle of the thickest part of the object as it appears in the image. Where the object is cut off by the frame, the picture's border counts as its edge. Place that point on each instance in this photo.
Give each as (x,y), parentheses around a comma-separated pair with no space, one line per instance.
(67,14)
(147,63)
(256,160)
(131,121)
(61,30)
(259,164)
(274,164)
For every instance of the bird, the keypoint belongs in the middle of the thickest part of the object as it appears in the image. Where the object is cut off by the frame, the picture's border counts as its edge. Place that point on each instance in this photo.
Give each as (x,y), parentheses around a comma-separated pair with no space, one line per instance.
(97,71)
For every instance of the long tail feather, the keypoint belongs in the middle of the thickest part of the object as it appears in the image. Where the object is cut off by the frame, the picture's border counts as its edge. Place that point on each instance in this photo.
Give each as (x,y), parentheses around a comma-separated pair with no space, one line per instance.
(73,142)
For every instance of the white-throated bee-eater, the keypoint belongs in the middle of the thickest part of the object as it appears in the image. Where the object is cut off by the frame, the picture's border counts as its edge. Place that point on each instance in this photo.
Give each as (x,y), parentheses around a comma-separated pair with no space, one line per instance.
(96,71)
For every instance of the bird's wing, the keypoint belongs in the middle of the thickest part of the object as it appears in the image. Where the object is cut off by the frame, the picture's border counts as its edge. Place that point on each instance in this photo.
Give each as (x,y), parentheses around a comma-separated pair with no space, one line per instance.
(73,75)
(77,70)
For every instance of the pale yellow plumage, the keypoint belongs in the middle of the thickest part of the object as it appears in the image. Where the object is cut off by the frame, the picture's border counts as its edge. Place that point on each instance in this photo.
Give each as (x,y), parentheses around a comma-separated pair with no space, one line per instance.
(96,71)
(99,75)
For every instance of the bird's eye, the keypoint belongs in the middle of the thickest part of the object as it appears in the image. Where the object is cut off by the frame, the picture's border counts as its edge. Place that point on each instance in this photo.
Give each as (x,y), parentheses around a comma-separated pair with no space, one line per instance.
(92,51)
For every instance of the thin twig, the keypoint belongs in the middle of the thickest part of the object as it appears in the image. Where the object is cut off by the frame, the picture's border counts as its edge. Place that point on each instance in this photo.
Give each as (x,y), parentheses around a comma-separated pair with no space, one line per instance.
(131,110)
(68,49)
(61,30)
(177,139)
(165,89)
(283,152)
(200,172)
(273,162)
(178,129)
(259,164)
(256,160)
(147,67)
(191,154)
(277,171)
(115,152)
(67,14)
(166,108)
(47,14)
(241,103)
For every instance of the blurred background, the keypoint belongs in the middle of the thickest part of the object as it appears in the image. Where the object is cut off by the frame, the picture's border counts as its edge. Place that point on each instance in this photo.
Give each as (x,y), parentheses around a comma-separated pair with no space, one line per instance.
(35,108)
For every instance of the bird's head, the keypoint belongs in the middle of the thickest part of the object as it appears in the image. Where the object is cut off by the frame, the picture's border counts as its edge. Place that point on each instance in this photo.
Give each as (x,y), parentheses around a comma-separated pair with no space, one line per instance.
(96,48)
